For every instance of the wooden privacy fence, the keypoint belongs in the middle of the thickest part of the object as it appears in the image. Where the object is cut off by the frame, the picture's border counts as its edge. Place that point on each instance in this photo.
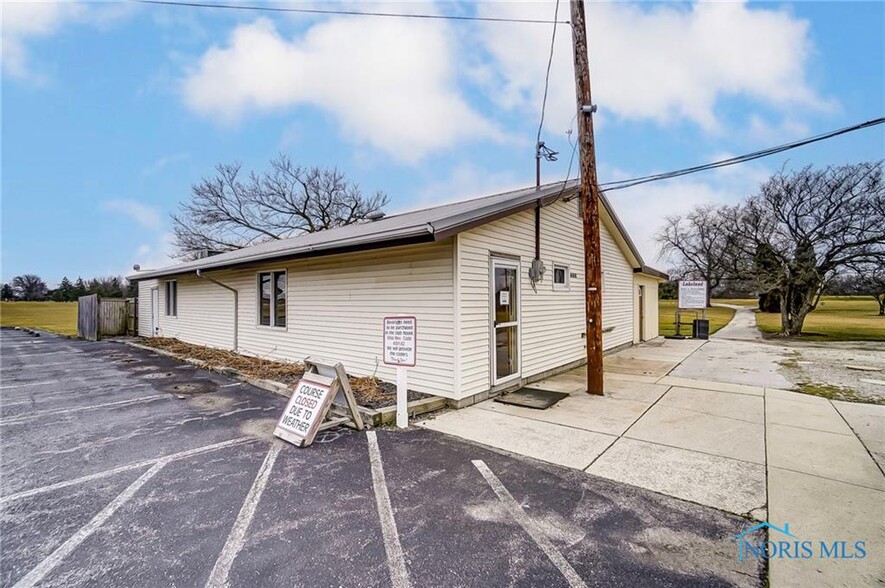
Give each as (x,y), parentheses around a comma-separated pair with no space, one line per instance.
(98,316)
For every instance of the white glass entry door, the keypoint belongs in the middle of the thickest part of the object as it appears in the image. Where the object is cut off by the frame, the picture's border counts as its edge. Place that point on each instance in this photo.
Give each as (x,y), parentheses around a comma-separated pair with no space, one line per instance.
(505,320)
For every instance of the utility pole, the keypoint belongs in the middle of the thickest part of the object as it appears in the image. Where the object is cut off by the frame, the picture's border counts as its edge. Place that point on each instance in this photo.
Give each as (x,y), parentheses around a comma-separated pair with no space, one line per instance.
(589,198)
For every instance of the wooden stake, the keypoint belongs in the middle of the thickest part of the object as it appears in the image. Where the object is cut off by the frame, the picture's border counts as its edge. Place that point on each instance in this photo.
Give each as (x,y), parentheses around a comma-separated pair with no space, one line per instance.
(589,191)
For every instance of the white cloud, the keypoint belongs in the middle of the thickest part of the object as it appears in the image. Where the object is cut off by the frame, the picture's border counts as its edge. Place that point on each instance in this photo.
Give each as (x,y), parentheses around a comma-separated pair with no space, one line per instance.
(23,22)
(391,85)
(154,254)
(464,181)
(145,216)
(163,162)
(660,62)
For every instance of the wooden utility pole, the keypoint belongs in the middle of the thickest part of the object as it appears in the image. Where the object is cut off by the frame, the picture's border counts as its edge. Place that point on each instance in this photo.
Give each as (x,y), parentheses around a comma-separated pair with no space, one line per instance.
(589,198)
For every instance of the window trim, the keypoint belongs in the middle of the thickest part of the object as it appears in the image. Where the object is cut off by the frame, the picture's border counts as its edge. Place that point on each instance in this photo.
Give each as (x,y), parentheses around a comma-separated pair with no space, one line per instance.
(170,312)
(273,314)
(563,287)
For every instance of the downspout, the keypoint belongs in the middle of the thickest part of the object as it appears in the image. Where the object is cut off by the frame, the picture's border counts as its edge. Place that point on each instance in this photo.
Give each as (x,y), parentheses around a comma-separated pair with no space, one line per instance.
(236,305)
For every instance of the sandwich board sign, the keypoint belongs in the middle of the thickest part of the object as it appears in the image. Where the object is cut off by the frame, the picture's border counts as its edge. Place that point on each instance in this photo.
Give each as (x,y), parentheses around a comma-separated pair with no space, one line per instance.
(311,401)
(400,348)
(693,294)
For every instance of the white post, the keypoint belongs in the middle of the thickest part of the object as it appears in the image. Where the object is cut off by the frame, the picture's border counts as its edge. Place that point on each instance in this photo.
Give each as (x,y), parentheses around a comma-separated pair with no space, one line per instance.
(402,391)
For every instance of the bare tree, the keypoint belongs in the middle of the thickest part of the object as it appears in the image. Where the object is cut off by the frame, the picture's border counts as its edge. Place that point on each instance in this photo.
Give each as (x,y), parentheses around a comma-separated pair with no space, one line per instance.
(805,226)
(29,287)
(701,244)
(228,211)
(868,279)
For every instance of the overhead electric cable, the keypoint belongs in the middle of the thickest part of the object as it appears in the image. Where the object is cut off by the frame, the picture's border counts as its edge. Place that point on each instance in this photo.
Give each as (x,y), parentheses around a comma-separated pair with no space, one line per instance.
(621,184)
(349,12)
(547,75)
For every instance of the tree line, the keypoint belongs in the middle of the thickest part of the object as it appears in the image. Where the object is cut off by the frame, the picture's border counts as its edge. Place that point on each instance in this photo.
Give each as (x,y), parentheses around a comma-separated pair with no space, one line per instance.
(30,287)
(802,234)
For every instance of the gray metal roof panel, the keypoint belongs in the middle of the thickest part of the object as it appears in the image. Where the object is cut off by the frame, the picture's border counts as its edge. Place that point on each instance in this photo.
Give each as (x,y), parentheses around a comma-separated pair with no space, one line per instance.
(428,223)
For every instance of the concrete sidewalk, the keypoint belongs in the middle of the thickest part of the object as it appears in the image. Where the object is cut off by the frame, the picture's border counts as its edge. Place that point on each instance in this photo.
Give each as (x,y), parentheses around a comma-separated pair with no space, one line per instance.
(757,451)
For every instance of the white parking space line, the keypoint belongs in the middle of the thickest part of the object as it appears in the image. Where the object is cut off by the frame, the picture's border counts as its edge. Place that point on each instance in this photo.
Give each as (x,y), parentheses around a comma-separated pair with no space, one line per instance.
(17,356)
(11,386)
(74,541)
(534,531)
(124,468)
(38,366)
(396,560)
(36,415)
(237,538)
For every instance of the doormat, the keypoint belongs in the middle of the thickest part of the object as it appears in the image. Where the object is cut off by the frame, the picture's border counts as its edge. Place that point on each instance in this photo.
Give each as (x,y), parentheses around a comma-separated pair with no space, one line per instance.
(532,398)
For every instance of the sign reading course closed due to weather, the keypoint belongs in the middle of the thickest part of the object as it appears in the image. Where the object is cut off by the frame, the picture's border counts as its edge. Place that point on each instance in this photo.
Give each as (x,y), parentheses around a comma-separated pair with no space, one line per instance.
(399,340)
(306,409)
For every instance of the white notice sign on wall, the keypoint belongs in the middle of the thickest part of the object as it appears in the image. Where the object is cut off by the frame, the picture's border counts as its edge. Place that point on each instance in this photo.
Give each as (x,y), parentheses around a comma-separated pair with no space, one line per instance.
(306,410)
(693,294)
(400,339)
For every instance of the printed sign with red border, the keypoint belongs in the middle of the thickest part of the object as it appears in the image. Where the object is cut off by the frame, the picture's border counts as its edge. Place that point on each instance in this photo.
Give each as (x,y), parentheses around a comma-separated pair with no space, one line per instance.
(400,340)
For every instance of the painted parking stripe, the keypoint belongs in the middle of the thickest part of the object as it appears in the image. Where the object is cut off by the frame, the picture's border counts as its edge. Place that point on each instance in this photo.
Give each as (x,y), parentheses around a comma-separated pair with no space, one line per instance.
(396,560)
(528,525)
(74,541)
(16,356)
(237,538)
(38,366)
(124,468)
(11,386)
(37,415)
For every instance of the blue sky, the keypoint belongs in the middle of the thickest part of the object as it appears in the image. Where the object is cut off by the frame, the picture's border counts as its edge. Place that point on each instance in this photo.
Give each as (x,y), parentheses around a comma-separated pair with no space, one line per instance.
(111,111)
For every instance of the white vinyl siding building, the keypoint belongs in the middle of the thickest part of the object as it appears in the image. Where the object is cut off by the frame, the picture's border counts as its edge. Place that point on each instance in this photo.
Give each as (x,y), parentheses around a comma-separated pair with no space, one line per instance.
(334,303)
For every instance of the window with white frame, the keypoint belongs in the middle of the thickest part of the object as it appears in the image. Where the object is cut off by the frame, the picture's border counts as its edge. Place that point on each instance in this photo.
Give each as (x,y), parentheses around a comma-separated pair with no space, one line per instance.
(272,299)
(172,298)
(560,277)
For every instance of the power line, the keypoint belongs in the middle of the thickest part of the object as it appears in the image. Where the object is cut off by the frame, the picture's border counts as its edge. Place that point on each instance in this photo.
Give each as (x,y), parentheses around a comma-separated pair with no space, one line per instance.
(621,184)
(547,75)
(350,12)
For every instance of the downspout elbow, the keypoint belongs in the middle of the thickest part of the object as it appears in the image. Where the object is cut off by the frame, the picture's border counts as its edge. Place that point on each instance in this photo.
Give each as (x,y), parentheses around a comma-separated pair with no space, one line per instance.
(236,305)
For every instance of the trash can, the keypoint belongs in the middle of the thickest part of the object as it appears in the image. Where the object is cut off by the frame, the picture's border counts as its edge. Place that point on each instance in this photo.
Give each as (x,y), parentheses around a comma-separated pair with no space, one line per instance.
(700,329)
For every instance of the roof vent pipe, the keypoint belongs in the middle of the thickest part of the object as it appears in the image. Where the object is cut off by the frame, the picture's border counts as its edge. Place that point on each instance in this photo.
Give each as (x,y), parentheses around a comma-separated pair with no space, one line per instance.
(375,215)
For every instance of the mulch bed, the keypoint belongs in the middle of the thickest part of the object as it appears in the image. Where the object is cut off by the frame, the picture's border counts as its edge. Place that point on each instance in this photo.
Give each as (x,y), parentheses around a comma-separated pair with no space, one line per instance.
(369,392)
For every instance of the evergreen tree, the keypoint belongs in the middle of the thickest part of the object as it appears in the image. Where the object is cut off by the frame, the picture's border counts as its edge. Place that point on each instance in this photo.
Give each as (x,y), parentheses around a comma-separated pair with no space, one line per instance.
(65,290)
(7,293)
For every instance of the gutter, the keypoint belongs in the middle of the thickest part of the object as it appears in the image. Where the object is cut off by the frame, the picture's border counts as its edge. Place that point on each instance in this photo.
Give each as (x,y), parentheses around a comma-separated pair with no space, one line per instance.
(236,305)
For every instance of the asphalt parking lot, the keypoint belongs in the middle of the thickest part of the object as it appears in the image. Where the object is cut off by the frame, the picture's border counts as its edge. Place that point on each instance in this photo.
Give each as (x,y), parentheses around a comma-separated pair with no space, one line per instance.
(121,467)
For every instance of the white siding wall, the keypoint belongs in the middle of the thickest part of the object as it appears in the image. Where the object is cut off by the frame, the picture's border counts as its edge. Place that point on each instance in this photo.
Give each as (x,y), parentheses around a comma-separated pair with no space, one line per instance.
(144,307)
(552,321)
(335,307)
(651,308)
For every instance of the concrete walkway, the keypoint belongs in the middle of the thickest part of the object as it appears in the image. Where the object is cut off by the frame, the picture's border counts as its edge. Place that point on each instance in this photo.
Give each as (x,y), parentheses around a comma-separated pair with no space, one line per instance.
(754,450)
(736,354)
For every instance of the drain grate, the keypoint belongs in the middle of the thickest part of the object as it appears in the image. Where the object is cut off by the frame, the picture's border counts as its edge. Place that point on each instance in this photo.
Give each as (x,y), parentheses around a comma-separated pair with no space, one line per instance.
(192,387)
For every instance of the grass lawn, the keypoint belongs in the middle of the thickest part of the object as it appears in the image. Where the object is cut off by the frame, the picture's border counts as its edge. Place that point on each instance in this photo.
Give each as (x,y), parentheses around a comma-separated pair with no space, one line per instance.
(717,316)
(837,318)
(58,317)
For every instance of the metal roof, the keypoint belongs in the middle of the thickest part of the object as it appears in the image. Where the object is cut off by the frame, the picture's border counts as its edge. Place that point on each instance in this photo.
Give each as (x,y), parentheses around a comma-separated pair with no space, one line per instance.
(425,225)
